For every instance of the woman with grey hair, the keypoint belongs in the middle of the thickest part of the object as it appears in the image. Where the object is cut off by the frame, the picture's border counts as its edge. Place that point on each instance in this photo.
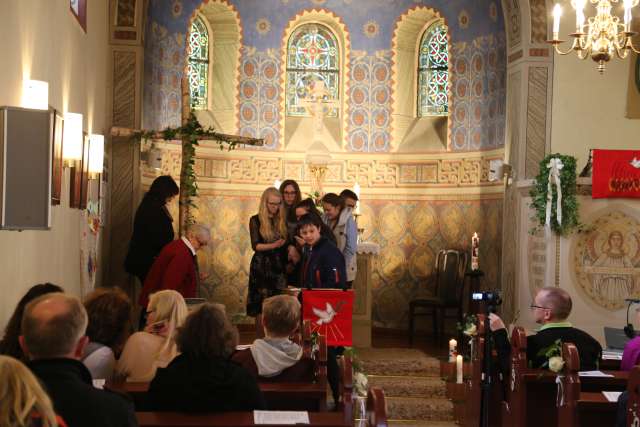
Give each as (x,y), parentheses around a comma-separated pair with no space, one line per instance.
(203,378)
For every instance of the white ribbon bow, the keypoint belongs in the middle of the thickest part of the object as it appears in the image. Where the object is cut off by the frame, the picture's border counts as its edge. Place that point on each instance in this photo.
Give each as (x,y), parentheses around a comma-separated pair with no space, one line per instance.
(560,393)
(555,166)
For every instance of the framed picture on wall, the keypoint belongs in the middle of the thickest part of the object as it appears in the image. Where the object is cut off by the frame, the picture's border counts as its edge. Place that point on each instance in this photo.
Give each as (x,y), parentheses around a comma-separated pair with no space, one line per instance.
(79,10)
(56,157)
(84,178)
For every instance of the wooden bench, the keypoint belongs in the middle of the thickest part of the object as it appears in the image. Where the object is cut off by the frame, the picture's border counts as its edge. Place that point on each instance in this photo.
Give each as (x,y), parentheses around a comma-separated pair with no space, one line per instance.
(300,396)
(576,407)
(376,416)
(537,388)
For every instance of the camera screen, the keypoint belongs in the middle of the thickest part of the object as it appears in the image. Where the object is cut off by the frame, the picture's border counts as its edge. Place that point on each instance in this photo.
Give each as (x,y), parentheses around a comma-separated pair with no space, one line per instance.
(476,296)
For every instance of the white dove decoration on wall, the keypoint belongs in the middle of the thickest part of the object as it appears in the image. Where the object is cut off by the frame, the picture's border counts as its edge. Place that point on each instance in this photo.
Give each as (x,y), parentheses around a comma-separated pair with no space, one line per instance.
(326,316)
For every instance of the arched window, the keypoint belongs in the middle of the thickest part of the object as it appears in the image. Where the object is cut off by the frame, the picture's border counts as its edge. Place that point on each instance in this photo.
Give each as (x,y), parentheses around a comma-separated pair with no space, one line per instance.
(433,72)
(312,54)
(198,69)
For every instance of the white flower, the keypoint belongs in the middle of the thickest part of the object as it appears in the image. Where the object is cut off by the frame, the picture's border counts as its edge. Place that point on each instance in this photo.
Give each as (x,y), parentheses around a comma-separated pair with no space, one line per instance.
(556,363)
(360,383)
(471,330)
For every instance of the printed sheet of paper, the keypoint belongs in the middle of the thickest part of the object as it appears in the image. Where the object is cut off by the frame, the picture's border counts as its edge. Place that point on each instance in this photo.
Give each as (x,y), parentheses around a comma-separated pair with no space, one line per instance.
(280,417)
(593,374)
(612,396)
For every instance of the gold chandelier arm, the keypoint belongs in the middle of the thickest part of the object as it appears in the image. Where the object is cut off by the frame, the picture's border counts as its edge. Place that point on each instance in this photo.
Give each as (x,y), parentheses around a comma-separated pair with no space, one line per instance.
(629,42)
(556,45)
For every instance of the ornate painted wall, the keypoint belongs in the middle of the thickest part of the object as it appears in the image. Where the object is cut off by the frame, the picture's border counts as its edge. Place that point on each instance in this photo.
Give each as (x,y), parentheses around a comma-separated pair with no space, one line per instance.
(414,203)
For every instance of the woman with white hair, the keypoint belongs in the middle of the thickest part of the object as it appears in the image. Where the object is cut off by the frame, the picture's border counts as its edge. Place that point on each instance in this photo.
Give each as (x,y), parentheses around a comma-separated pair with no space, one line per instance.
(154,347)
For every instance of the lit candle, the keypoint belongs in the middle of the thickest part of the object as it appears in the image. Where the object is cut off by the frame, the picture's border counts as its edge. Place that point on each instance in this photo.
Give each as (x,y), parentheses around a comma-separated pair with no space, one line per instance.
(277,183)
(356,189)
(627,14)
(452,350)
(579,15)
(557,11)
(475,248)
(458,369)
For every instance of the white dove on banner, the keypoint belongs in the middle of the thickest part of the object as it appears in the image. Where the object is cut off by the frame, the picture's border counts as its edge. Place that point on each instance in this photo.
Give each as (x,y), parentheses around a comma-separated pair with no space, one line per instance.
(326,316)
(635,163)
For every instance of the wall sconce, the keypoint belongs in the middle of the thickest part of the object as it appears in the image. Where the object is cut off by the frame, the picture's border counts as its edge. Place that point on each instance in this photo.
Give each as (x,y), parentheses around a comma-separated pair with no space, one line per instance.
(72,139)
(35,94)
(96,155)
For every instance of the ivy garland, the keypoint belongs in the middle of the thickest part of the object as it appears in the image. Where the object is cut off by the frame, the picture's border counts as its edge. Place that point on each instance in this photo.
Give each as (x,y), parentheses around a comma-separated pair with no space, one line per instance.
(570,215)
(190,133)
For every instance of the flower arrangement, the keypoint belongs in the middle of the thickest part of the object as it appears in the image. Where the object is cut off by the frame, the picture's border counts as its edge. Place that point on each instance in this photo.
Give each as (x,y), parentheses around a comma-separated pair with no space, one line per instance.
(553,353)
(468,326)
(360,380)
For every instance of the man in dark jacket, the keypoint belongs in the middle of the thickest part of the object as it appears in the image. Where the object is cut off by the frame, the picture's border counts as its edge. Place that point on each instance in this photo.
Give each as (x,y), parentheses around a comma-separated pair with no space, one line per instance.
(53,337)
(551,308)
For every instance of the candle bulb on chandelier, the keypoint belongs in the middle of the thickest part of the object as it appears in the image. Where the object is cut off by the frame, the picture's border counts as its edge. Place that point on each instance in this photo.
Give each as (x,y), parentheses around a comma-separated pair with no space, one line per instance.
(579,15)
(557,11)
(628,4)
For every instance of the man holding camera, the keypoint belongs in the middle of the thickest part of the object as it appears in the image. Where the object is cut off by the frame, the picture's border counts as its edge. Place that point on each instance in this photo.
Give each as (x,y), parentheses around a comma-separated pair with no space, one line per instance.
(550,308)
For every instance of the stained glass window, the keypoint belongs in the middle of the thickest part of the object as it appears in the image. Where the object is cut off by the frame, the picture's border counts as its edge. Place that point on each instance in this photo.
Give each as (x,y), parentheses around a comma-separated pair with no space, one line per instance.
(198,69)
(433,72)
(312,54)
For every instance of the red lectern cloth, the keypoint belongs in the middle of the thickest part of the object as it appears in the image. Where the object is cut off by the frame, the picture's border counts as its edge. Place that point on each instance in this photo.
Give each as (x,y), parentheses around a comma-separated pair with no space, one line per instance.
(330,314)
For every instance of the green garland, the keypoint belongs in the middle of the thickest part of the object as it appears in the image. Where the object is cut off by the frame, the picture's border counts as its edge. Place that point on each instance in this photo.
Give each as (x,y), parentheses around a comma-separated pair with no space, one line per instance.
(570,207)
(190,133)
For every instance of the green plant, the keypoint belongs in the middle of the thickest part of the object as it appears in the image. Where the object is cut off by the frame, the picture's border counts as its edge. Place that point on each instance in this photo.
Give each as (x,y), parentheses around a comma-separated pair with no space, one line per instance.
(468,325)
(569,204)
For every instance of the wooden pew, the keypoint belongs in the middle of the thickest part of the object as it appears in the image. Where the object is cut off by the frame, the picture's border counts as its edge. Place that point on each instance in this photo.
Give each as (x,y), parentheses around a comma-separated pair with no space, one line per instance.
(537,388)
(299,396)
(376,416)
(575,407)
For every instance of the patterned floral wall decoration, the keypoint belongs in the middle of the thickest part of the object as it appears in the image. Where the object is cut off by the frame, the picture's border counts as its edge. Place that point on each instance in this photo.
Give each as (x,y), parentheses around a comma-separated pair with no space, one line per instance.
(476,24)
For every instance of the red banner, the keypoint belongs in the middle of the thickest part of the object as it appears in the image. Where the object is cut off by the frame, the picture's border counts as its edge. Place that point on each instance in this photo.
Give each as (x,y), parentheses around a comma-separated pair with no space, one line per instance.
(330,314)
(616,173)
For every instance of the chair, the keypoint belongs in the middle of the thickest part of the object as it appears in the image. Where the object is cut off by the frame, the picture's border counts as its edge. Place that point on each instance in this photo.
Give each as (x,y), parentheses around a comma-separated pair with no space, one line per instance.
(451,266)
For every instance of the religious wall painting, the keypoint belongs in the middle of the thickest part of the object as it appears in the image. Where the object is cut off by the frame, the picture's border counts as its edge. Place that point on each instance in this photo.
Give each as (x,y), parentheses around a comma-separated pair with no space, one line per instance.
(125,13)
(606,259)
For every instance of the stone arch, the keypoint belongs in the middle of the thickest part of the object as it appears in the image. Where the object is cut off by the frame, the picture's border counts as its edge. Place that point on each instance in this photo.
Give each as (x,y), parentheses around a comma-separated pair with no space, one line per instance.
(337,26)
(225,41)
(408,130)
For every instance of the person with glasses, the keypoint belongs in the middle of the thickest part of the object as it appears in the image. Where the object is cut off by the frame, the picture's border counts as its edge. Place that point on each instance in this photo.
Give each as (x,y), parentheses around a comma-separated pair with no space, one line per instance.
(291,196)
(550,308)
(269,237)
(177,266)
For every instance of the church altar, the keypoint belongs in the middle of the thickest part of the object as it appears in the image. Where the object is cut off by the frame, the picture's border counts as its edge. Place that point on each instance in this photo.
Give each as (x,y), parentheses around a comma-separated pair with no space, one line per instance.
(362,294)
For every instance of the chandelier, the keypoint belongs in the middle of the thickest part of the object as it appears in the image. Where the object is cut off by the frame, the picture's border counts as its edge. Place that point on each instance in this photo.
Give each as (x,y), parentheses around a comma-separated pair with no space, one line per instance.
(601,36)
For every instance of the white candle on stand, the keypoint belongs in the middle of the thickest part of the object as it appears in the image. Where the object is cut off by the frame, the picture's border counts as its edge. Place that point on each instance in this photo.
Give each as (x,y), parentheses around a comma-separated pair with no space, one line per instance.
(458,369)
(356,189)
(452,350)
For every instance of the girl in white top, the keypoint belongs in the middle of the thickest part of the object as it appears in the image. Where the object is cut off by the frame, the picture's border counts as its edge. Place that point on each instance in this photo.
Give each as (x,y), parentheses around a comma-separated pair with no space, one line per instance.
(154,347)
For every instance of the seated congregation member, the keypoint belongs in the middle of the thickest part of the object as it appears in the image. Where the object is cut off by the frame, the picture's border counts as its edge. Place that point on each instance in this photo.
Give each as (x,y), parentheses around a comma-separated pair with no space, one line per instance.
(109,312)
(307,206)
(203,378)
(155,347)
(23,402)
(276,357)
(177,266)
(551,307)
(53,337)
(339,218)
(322,263)
(10,345)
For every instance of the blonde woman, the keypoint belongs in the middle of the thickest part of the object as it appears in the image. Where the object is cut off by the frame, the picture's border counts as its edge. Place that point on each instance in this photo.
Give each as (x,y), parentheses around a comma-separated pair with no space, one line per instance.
(268,229)
(23,402)
(154,347)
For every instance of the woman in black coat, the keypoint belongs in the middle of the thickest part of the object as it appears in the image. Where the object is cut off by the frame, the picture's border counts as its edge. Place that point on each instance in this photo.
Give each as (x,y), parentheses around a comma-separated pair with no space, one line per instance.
(152,227)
